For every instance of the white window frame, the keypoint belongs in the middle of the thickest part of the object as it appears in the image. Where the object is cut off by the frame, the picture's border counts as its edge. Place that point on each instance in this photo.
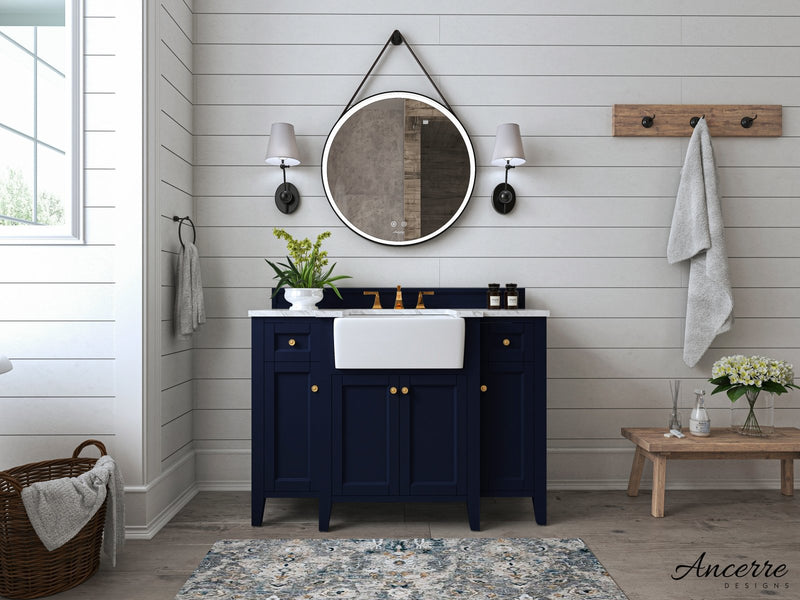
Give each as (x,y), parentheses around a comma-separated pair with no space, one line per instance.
(72,231)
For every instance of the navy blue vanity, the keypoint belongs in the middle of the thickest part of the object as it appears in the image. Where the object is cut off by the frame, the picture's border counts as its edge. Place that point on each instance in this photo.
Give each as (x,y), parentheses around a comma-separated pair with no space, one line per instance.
(377,435)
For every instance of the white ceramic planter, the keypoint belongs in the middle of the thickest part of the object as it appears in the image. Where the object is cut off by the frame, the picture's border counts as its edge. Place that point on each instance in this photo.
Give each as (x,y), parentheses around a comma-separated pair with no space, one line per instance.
(302,298)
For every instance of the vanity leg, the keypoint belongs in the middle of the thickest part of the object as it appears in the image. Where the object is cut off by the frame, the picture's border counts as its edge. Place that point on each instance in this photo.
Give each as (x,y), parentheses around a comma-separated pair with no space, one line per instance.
(325,507)
(540,508)
(474,512)
(257,507)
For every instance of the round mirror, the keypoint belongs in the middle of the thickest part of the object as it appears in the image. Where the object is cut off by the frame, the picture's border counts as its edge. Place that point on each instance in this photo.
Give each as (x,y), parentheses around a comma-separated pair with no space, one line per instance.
(398,168)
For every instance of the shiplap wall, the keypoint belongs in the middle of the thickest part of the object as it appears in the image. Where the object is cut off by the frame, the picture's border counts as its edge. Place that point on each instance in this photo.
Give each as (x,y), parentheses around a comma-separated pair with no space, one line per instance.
(175,94)
(588,236)
(65,309)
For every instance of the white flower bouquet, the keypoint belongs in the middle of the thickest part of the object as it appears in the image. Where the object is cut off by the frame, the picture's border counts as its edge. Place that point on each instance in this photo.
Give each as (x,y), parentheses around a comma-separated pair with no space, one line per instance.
(739,374)
(747,376)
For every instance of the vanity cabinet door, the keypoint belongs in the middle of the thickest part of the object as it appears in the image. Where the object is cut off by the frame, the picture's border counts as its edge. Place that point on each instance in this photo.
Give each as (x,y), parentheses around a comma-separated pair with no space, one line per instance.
(433,434)
(296,403)
(399,435)
(365,442)
(507,428)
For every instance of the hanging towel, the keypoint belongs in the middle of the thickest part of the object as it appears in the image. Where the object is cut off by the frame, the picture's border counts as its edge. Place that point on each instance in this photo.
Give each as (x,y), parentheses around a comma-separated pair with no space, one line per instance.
(59,508)
(697,234)
(190,311)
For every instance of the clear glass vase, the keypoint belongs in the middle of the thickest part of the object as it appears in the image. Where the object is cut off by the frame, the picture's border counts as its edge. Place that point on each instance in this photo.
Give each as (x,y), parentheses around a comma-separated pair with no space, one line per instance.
(760,419)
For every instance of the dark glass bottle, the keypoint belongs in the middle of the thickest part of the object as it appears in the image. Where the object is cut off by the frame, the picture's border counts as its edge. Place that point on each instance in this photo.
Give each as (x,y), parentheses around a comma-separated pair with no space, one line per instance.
(493,298)
(512,296)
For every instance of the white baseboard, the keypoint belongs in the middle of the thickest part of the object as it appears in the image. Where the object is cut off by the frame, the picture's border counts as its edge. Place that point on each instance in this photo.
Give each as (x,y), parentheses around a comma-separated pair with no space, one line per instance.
(166,495)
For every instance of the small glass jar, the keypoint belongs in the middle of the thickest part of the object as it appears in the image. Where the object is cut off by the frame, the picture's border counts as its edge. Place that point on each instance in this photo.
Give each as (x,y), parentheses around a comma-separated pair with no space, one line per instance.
(493,298)
(512,296)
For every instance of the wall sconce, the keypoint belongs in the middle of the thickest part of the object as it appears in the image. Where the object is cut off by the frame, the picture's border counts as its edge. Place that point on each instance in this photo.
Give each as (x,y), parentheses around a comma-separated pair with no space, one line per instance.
(5,364)
(282,151)
(508,152)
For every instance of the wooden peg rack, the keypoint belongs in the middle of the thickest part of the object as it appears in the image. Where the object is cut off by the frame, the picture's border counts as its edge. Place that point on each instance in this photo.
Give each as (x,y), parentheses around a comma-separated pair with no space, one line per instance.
(675,120)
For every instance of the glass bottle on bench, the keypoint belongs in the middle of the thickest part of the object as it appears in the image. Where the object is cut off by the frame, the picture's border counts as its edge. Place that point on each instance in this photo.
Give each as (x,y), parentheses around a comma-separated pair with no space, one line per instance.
(699,423)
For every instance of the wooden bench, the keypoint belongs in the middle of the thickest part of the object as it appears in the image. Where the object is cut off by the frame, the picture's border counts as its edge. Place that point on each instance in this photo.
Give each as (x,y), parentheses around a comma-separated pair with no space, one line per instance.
(650,442)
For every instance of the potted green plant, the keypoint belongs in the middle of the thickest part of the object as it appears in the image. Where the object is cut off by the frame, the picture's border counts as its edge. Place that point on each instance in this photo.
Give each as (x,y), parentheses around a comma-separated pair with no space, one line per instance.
(303,275)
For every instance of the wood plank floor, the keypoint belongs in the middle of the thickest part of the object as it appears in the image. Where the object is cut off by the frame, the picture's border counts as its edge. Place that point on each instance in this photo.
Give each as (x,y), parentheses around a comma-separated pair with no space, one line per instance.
(639,551)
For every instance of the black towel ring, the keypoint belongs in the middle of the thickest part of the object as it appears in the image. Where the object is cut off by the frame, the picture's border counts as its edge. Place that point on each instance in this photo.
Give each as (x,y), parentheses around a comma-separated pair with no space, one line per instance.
(180,224)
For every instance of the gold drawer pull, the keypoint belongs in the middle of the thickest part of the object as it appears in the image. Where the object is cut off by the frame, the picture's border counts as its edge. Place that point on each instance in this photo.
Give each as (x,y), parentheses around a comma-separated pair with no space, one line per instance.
(314,388)
(292,342)
(392,390)
(404,390)
(484,388)
(506,342)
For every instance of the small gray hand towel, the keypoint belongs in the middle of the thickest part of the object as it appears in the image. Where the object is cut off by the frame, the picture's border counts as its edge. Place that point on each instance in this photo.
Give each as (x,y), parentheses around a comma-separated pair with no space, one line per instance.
(190,311)
(59,508)
(697,234)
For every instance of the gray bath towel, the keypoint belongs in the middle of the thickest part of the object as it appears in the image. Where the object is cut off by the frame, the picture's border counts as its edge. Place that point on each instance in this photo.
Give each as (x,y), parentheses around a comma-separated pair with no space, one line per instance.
(697,234)
(58,509)
(190,312)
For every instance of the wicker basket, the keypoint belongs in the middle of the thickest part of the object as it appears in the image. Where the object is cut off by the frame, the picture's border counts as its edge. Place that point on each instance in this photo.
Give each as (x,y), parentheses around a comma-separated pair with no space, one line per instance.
(27,568)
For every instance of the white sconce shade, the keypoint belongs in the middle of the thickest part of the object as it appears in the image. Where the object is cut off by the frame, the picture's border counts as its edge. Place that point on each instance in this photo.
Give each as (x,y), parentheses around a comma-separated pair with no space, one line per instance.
(508,146)
(5,364)
(282,145)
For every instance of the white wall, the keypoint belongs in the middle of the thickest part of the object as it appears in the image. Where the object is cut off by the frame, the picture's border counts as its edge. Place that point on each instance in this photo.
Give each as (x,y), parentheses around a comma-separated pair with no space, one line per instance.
(589,233)
(71,316)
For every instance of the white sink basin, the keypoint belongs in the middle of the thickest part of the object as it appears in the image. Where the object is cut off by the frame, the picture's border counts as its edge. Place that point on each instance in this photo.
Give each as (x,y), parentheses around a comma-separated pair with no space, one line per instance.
(404,341)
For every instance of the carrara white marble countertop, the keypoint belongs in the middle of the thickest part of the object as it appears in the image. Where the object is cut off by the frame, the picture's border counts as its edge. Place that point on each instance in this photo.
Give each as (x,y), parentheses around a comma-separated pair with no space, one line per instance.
(347,312)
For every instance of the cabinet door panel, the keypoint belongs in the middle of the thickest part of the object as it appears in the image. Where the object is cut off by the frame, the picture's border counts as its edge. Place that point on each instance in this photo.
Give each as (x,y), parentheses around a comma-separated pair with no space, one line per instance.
(289,421)
(433,436)
(507,428)
(365,442)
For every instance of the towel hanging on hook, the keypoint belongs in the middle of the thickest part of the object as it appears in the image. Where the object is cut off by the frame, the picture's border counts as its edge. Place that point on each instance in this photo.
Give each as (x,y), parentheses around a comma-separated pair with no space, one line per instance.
(180,221)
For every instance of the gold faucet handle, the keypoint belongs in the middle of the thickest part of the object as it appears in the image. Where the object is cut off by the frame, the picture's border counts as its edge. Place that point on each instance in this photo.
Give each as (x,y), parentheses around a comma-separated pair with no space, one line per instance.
(398,298)
(420,302)
(377,303)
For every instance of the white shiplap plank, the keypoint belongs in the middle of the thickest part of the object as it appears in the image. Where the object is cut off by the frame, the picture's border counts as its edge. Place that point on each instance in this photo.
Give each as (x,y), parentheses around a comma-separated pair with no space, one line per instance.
(614,333)
(56,416)
(314,29)
(57,264)
(176,434)
(224,333)
(654,8)
(222,363)
(75,301)
(222,393)
(47,339)
(222,424)
(176,401)
(234,302)
(62,377)
(560,30)
(16,450)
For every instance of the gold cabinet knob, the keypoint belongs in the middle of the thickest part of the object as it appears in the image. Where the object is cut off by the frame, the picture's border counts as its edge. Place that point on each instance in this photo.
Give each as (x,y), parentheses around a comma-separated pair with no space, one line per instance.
(292,342)
(506,342)
(484,388)
(314,388)
(392,390)
(404,390)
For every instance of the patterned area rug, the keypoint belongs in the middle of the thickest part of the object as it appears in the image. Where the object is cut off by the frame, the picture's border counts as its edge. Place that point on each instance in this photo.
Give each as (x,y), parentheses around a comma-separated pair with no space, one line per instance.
(419,569)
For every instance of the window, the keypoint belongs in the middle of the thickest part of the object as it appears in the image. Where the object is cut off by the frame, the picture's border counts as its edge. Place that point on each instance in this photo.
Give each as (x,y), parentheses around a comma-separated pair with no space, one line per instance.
(40,124)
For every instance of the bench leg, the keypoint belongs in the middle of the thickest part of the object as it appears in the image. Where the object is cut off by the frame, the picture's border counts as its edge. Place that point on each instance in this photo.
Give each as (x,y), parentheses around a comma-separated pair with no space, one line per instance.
(787,477)
(659,485)
(636,472)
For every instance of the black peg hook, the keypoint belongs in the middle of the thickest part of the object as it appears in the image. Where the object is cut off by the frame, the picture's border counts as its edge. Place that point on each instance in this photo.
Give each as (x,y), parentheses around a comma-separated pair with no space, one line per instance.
(647,121)
(695,120)
(747,122)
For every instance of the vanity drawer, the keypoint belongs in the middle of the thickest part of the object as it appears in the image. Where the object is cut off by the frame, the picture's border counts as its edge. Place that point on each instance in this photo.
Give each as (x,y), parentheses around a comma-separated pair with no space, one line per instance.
(505,342)
(291,342)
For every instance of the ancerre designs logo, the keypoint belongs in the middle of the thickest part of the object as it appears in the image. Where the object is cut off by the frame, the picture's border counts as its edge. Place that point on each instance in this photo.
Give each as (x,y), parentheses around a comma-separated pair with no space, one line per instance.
(755,575)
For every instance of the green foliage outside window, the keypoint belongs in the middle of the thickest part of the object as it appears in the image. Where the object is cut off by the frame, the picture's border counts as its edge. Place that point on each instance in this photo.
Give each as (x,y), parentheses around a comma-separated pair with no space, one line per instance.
(16,202)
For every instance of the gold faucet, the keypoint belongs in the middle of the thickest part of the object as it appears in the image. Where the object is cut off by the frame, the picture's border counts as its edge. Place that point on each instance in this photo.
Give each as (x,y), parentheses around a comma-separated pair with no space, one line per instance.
(377,303)
(398,299)
(420,303)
